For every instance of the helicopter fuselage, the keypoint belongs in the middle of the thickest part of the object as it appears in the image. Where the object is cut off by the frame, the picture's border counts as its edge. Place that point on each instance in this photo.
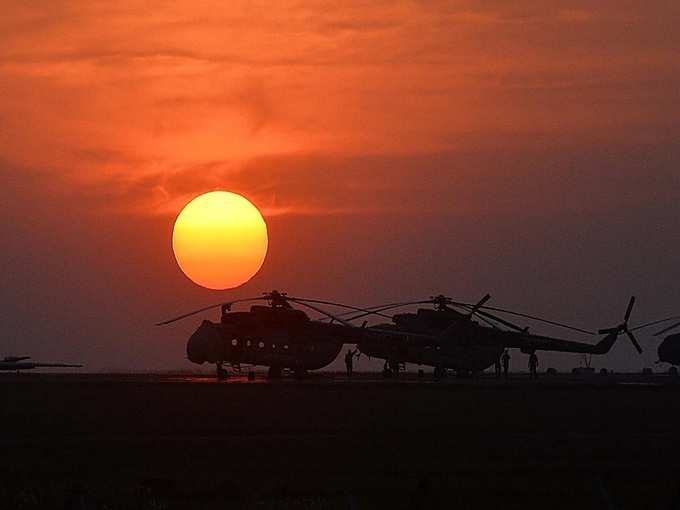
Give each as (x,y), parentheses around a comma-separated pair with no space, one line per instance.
(442,339)
(669,350)
(451,340)
(267,336)
(435,354)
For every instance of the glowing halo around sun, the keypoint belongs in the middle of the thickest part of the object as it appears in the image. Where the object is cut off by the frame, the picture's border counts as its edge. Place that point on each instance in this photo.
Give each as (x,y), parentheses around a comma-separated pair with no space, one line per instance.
(220,240)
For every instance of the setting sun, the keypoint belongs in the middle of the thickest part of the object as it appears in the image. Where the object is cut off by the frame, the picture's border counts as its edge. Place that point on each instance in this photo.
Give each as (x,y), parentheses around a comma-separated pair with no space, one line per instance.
(220,240)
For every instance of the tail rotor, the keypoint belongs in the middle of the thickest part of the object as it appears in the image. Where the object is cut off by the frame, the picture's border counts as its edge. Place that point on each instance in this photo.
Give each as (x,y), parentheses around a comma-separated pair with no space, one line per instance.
(623,327)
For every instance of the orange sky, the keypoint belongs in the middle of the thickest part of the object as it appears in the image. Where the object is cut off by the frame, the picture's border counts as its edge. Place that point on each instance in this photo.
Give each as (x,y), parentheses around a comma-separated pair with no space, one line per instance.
(466,114)
(136,97)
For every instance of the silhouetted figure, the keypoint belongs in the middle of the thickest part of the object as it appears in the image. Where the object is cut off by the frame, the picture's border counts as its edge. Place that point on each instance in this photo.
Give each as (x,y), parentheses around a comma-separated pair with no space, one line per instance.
(497,367)
(349,361)
(533,365)
(506,362)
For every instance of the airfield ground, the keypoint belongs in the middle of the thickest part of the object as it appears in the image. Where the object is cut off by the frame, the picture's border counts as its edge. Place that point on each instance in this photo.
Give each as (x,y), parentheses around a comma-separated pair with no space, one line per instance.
(172,441)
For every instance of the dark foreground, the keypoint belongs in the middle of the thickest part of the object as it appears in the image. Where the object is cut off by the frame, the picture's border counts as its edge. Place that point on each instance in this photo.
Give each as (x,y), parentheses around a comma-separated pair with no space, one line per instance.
(167,442)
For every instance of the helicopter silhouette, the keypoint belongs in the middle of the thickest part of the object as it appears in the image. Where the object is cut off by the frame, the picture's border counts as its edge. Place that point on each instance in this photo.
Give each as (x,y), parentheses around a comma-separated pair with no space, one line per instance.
(669,348)
(463,344)
(18,363)
(277,336)
(280,337)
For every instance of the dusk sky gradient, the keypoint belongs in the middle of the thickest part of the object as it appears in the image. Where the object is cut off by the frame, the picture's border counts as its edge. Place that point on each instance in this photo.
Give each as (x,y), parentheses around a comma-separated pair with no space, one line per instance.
(399,149)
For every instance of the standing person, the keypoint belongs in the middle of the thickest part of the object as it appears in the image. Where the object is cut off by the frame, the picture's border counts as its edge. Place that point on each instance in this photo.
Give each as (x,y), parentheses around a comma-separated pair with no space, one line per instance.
(533,365)
(506,362)
(349,361)
(497,367)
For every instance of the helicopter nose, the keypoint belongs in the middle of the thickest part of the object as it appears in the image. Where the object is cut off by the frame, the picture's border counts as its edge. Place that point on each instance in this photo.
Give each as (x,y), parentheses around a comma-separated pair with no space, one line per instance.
(206,344)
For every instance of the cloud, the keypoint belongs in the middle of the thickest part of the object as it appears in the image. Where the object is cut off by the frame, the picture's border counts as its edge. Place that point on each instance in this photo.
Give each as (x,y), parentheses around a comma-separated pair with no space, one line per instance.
(129,101)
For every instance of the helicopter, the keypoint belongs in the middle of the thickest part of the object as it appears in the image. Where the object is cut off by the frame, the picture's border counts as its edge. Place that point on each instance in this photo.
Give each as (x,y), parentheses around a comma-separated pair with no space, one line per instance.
(282,337)
(275,335)
(463,344)
(17,363)
(669,348)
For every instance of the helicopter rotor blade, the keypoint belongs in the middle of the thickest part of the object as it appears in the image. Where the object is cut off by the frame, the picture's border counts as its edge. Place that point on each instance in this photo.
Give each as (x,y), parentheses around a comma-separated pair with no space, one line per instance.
(634,341)
(623,327)
(487,318)
(498,319)
(469,306)
(533,317)
(479,304)
(342,305)
(321,311)
(487,321)
(664,330)
(629,309)
(204,309)
(373,310)
(654,323)
(184,316)
(518,314)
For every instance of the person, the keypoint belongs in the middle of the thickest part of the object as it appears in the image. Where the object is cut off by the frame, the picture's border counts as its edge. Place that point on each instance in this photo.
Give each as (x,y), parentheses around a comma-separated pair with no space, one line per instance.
(497,367)
(533,365)
(506,362)
(386,369)
(349,360)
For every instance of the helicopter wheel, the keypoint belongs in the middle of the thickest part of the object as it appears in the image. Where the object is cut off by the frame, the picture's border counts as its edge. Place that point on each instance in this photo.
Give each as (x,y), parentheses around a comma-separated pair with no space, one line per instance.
(274,372)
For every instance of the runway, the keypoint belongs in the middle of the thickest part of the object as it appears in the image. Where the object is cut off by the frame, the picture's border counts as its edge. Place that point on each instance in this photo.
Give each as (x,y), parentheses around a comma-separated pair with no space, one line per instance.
(186,441)
(577,381)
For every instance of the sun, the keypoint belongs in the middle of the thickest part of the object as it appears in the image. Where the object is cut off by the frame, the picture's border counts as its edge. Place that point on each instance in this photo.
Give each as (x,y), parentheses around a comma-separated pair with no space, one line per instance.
(220,240)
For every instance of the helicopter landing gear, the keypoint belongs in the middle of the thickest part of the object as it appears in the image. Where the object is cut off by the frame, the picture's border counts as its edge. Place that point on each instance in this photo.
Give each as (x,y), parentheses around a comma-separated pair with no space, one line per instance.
(221,372)
(274,372)
(439,372)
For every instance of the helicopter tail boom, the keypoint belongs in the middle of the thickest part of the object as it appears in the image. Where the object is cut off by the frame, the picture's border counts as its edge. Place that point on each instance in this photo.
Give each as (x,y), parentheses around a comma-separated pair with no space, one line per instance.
(605,345)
